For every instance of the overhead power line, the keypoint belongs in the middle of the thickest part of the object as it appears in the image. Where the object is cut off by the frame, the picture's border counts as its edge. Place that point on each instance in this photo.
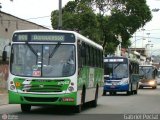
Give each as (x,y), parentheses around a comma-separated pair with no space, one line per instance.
(38,17)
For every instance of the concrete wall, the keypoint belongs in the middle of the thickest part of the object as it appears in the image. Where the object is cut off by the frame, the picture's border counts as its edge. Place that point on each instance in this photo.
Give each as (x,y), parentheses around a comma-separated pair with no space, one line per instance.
(8,24)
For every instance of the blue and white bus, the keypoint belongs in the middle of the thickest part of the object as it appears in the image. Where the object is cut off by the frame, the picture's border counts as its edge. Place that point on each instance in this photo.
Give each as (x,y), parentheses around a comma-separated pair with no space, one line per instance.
(120,75)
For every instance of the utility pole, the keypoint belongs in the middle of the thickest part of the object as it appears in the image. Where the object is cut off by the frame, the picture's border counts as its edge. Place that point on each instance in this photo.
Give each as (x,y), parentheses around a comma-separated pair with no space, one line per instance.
(60,15)
(155,10)
(135,41)
(0,6)
(143,36)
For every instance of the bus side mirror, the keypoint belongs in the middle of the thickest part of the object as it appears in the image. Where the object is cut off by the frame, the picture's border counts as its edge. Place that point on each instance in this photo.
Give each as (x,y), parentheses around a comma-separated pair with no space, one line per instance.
(4,56)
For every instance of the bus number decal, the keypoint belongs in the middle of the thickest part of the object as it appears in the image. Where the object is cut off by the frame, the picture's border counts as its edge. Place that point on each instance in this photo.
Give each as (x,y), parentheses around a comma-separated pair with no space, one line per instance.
(91,78)
(63,83)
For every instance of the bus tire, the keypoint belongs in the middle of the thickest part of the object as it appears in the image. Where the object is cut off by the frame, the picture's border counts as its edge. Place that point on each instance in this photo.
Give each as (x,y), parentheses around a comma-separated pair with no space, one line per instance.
(155,87)
(78,108)
(110,93)
(94,102)
(83,95)
(104,93)
(25,107)
(128,92)
(136,91)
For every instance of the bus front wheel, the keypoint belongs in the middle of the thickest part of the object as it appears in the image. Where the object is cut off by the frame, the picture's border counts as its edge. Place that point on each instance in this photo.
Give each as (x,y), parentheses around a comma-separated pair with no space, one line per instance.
(155,87)
(78,108)
(94,102)
(129,92)
(25,107)
(104,92)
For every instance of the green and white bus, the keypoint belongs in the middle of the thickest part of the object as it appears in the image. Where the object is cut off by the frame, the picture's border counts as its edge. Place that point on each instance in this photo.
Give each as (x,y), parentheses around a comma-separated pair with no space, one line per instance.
(54,67)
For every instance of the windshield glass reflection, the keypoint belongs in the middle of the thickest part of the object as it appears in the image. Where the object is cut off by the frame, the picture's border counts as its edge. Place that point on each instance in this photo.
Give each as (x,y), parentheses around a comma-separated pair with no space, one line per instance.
(43,60)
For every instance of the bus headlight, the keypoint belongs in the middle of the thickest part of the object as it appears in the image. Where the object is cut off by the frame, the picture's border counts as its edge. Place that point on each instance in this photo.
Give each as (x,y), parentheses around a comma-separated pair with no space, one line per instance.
(71,89)
(151,82)
(124,81)
(12,87)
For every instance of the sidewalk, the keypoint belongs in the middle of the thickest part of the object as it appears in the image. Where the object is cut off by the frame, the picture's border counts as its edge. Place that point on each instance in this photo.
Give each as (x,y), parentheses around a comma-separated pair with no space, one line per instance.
(3,96)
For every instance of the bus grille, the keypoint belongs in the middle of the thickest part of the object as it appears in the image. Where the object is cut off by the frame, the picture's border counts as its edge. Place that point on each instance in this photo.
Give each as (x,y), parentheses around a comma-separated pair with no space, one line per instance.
(38,99)
(44,88)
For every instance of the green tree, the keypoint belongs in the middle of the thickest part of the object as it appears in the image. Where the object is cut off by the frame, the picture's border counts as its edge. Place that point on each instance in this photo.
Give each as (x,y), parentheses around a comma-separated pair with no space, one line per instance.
(77,16)
(126,16)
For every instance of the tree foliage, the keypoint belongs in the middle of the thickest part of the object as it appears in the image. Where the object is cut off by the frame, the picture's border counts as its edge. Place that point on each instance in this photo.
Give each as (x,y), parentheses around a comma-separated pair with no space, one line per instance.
(90,18)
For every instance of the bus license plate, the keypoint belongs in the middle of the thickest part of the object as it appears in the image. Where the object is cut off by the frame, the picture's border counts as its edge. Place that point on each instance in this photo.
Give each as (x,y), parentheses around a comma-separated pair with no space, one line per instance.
(112,86)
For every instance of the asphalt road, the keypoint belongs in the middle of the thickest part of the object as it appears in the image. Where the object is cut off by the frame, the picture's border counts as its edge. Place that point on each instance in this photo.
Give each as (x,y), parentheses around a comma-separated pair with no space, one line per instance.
(145,105)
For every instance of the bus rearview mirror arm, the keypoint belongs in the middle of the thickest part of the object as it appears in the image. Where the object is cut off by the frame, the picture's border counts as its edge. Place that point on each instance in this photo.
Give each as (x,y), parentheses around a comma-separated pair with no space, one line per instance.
(4,54)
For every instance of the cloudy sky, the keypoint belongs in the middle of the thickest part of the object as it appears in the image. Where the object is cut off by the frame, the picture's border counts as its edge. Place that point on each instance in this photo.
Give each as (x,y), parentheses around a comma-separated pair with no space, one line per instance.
(39,11)
(151,31)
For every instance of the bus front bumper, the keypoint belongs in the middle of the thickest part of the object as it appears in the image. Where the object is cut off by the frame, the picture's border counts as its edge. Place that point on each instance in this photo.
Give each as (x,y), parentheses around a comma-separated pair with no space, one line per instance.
(33,99)
(116,88)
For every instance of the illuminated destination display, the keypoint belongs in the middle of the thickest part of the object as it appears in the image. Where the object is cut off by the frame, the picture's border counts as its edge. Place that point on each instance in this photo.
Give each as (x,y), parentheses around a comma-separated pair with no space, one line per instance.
(113,60)
(43,37)
(48,37)
(22,37)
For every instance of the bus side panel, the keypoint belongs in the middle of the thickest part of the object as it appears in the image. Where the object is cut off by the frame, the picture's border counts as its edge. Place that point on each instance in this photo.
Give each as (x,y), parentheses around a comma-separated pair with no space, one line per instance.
(90,78)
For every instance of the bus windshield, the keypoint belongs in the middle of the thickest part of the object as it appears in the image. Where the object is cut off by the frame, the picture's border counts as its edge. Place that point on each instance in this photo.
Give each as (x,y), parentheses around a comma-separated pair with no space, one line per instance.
(158,74)
(53,60)
(116,69)
(146,72)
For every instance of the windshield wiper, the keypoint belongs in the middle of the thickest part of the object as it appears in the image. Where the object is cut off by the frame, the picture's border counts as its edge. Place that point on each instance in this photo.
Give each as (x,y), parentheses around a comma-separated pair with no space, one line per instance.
(55,49)
(34,52)
(30,47)
(116,66)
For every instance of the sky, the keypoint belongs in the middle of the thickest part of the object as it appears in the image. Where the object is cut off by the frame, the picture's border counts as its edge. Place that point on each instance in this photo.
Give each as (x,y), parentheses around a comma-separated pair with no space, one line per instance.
(39,11)
(150,32)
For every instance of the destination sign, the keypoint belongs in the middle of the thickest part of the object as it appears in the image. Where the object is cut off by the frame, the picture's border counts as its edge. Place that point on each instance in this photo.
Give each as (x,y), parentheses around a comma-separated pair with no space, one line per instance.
(22,37)
(113,60)
(43,37)
(48,37)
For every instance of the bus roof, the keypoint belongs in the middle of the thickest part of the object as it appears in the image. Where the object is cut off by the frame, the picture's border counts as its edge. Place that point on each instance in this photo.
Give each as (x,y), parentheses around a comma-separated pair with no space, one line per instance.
(121,57)
(115,57)
(78,36)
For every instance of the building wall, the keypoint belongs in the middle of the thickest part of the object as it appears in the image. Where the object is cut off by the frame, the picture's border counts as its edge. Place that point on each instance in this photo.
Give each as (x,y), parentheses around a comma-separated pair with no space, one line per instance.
(8,24)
